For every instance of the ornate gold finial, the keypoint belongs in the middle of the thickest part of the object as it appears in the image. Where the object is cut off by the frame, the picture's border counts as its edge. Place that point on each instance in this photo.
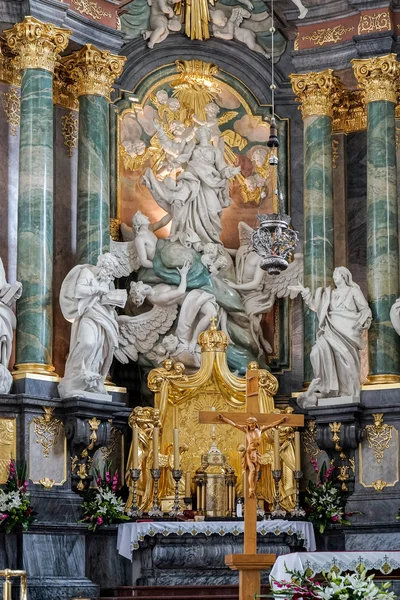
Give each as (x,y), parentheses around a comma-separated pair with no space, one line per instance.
(213,340)
(94,71)
(38,44)
(377,77)
(316,91)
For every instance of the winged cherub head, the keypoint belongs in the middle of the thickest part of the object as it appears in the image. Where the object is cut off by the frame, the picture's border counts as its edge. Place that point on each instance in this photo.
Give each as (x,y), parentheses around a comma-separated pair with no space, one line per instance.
(139,291)
(107,265)
(139,220)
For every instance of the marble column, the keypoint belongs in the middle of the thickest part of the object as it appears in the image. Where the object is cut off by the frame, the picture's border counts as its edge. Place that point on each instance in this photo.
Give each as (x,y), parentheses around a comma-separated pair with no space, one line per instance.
(316,92)
(38,46)
(94,71)
(378,79)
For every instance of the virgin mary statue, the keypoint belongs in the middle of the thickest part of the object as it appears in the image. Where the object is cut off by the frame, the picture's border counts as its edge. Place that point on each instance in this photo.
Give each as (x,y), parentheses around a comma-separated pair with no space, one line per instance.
(343,313)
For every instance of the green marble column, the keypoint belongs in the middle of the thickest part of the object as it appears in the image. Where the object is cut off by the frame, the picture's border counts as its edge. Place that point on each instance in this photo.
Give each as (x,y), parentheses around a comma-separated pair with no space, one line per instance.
(38,54)
(315,91)
(378,76)
(94,72)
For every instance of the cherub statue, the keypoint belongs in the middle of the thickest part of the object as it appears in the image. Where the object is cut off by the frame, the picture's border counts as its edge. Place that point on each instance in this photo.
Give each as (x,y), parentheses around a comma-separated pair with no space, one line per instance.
(139,245)
(162,21)
(177,150)
(212,110)
(8,294)
(251,456)
(229,29)
(343,314)
(214,258)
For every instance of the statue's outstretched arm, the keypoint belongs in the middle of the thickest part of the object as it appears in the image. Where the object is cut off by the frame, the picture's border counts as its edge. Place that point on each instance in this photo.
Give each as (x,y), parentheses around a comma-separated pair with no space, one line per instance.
(274,424)
(229,422)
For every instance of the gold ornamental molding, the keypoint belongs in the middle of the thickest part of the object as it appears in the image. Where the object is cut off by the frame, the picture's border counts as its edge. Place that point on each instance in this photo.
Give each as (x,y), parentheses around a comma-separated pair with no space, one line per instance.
(349,112)
(377,77)
(46,429)
(331,35)
(375,22)
(92,9)
(93,71)
(12,108)
(64,89)
(70,132)
(10,65)
(38,44)
(316,92)
(379,436)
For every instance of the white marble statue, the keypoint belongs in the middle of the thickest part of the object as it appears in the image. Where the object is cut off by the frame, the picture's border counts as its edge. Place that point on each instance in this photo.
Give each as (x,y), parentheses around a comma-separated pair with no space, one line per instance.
(88,300)
(139,245)
(211,121)
(177,150)
(303,10)
(8,294)
(259,290)
(309,398)
(162,21)
(230,29)
(343,314)
(195,199)
(395,316)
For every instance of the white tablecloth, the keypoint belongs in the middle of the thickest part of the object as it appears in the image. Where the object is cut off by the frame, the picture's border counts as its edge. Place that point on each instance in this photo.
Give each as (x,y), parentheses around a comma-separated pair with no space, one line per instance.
(316,562)
(130,534)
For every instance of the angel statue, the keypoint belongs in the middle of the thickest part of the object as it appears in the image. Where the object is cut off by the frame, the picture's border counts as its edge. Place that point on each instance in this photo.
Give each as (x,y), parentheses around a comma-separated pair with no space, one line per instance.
(88,300)
(8,294)
(177,150)
(259,291)
(229,29)
(343,314)
(139,245)
(162,21)
(195,199)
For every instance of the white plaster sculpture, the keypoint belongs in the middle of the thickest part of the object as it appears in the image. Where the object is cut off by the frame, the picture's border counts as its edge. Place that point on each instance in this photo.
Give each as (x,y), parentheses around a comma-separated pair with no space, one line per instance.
(139,246)
(310,397)
(177,150)
(395,316)
(259,290)
(88,300)
(214,258)
(229,29)
(303,10)
(212,110)
(195,199)
(8,294)
(343,314)
(162,21)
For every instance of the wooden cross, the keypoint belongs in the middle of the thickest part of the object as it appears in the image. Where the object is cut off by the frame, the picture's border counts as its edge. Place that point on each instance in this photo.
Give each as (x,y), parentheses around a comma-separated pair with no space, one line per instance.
(249,564)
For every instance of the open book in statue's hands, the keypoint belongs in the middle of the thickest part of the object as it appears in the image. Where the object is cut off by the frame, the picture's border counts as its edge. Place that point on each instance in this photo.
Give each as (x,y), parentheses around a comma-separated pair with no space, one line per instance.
(115,298)
(11,292)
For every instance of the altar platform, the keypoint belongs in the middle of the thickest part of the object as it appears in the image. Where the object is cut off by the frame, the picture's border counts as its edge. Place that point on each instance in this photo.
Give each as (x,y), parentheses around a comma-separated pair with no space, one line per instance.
(184,553)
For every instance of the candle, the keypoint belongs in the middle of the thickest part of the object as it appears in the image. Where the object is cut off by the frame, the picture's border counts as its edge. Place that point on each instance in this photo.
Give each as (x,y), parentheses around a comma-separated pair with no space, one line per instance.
(297,450)
(156,462)
(135,433)
(175,418)
(277,458)
(188,484)
(176,449)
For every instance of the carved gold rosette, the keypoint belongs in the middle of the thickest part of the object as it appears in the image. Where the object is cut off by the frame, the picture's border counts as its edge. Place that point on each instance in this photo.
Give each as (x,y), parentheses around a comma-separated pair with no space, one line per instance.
(94,71)
(38,44)
(316,91)
(377,77)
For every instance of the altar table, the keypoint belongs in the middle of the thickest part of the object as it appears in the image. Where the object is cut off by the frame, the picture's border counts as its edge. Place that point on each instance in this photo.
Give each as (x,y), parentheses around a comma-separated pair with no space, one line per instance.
(317,562)
(130,534)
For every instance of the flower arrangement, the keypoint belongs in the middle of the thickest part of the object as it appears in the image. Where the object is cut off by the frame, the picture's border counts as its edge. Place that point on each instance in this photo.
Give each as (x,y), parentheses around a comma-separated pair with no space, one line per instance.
(15,508)
(325,502)
(101,506)
(354,586)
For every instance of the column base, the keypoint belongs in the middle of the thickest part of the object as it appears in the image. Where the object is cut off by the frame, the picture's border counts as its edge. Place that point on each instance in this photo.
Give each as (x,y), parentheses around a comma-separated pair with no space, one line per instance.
(36,384)
(382,379)
(22,369)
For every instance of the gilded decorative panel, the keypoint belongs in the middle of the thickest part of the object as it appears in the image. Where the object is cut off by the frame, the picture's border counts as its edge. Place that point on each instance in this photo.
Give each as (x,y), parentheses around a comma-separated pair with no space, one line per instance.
(47,462)
(378,455)
(8,445)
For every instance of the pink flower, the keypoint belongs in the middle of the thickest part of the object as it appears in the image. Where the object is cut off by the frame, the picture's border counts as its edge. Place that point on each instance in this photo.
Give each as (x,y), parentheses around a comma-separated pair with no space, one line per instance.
(314,464)
(115,482)
(100,520)
(335,518)
(108,477)
(98,481)
(3,516)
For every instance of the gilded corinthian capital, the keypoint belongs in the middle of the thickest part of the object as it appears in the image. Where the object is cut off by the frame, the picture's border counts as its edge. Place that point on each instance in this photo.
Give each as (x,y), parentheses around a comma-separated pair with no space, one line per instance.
(94,71)
(37,44)
(317,92)
(377,77)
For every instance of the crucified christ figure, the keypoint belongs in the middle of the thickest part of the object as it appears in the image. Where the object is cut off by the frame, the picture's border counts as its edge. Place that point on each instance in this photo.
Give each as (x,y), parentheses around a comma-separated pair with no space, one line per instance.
(251,457)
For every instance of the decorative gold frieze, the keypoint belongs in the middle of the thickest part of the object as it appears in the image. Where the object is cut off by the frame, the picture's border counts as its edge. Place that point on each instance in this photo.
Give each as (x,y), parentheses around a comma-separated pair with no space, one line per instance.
(335,430)
(94,71)
(64,89)
(316,92)
(70,131)
(8,446)
(92,9)
(379,436)
(12,108)
(46,429)
(374,22)
(38,44)
(377,77)
(331,35)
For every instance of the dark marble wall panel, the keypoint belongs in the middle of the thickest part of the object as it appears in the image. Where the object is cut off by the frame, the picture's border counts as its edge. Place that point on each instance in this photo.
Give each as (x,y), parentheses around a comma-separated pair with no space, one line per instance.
(47,555)
(357,206)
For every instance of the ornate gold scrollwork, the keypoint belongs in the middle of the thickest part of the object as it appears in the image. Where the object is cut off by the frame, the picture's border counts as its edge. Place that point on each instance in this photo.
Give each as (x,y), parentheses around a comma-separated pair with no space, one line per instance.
(379,485)
(374,22)
(335,430)
(379,436)
(46,429)
(316,92)
(94,424)
(331,35)
(12,108)
(377,77)
(92,9)
(47,483)
(70,131)
(344,476)
(308,440)
(335,153)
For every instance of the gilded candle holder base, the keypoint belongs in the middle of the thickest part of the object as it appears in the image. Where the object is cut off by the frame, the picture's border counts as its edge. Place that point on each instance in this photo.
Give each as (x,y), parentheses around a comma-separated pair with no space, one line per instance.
(298,512)
(278,512)
(135,511)
(176,510)
(155,510)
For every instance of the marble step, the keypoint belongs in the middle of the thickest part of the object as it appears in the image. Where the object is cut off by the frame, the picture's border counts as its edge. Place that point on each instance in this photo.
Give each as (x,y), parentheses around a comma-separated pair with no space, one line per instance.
(181,592)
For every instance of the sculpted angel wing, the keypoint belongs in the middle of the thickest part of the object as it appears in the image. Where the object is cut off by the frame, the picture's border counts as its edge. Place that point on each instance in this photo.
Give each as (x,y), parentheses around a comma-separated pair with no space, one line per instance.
(245,233)
(238,14)
(278,285)
(128,260)
(141,333)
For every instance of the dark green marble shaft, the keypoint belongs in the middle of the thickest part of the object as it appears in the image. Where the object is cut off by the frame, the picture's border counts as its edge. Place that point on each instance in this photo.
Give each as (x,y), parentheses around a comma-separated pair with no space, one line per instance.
(318,220)
(93,237)
(35,219)
(382,238)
